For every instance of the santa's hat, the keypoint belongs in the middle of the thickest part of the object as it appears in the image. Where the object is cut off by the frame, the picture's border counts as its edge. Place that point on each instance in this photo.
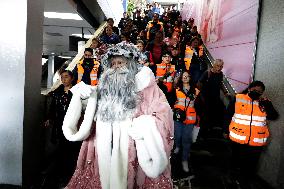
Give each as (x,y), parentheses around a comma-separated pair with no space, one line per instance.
(128,50)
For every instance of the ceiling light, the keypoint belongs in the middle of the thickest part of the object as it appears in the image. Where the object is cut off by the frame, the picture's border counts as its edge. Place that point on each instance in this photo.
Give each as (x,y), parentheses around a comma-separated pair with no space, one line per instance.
(66,57)
(85,36)
(70,16)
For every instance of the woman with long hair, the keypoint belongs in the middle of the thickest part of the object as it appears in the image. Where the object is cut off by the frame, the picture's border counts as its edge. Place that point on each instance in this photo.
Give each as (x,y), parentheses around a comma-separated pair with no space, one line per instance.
(183,124)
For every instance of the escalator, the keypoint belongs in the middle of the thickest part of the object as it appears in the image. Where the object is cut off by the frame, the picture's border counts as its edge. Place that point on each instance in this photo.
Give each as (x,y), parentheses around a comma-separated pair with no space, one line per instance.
(78,57)
(227,86)
(210,156)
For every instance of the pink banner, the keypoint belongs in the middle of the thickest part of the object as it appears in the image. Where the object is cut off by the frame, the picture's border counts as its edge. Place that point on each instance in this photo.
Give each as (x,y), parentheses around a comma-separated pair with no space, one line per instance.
(228,29)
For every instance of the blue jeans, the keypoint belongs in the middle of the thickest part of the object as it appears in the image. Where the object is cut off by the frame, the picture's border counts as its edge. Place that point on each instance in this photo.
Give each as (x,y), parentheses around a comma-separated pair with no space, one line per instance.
(183,138)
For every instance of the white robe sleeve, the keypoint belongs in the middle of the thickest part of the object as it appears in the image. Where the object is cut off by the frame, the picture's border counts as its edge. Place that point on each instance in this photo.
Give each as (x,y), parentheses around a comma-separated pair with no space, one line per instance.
(151,155)
(70,123)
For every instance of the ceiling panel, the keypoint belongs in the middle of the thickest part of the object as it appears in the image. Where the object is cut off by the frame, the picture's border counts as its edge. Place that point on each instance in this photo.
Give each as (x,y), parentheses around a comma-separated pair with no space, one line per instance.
(60,44)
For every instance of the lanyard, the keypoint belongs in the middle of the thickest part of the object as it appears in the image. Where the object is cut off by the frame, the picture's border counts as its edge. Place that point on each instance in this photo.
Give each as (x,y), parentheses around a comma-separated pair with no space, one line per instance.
(186,106)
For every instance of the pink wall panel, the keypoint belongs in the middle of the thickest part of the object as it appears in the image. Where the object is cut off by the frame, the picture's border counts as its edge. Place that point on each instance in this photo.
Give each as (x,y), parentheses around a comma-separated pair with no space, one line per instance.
(228,28)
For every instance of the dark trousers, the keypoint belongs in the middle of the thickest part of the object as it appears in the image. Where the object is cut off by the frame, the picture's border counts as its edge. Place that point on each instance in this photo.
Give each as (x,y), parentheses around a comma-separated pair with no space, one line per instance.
(211,117)
(245,160)
(183,138)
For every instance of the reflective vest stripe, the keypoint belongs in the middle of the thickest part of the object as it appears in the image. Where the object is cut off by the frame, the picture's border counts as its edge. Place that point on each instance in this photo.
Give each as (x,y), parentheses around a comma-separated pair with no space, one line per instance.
(260,140)
(93,74)
(80,76)
(247,117)
(187,100)
(182,102)
(191,118)
(248,125)
(162,67)
(188,55)
(236,136)
(246,101)
(246,122)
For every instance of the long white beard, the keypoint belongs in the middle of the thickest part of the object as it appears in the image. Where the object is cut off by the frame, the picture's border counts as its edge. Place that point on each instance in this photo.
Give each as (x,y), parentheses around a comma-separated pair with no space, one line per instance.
(117,95)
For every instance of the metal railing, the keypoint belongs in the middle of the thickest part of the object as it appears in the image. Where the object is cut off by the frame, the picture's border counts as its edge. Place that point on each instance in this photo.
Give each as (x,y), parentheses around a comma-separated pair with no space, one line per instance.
(226,83)
(79,56)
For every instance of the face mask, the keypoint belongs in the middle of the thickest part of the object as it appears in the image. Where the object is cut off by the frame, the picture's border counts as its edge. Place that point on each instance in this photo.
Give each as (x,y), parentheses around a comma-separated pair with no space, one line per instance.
(254,95)
(88,60)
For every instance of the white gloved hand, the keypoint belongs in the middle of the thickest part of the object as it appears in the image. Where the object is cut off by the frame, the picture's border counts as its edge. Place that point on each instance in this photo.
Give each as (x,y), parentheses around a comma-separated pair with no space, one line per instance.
(83,90)
(151,154)
(138,127)
(135,131)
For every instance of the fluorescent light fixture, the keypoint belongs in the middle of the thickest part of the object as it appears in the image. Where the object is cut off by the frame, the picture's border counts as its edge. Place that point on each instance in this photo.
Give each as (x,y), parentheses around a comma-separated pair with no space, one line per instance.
(80,35)
(66,57)
(70,16)
(43,61)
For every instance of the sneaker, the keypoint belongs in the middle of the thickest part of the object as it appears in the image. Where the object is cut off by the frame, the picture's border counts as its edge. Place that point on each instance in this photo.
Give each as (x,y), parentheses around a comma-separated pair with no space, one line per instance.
(185,166)
(176,151)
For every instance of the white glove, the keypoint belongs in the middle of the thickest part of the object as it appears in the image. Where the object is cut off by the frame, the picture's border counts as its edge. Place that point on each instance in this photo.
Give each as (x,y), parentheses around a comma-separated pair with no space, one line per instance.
(83,90)
(141,126)
(136,131)
(151,154)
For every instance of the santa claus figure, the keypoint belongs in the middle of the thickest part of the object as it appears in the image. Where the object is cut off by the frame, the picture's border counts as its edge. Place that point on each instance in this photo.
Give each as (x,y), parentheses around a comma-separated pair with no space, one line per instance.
(127,127)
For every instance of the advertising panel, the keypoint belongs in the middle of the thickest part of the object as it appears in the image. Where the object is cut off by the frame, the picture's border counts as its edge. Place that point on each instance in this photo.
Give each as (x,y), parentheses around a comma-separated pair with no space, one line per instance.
(228,29)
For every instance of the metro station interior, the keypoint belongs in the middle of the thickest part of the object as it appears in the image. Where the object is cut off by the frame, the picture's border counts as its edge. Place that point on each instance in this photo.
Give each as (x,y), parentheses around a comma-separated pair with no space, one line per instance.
(39,39)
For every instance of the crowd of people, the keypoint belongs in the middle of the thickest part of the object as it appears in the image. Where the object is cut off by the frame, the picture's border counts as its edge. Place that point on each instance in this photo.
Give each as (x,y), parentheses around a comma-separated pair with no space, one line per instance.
(172,49)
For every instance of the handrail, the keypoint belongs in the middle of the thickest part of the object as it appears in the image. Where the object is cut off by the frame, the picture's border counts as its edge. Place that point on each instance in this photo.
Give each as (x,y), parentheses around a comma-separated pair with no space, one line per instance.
(238,81)
(79,56)
(226,83)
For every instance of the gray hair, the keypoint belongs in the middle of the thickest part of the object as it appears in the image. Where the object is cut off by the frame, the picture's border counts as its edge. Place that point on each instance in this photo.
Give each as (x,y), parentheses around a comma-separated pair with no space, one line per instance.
(128,50)
(118,97)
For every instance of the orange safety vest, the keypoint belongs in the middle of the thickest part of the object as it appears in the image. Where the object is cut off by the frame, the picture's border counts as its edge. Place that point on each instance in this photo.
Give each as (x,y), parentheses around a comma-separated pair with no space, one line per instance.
(248,125)
(93,74)
(162,69)
(188,56)
(150,25)
(184,102)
